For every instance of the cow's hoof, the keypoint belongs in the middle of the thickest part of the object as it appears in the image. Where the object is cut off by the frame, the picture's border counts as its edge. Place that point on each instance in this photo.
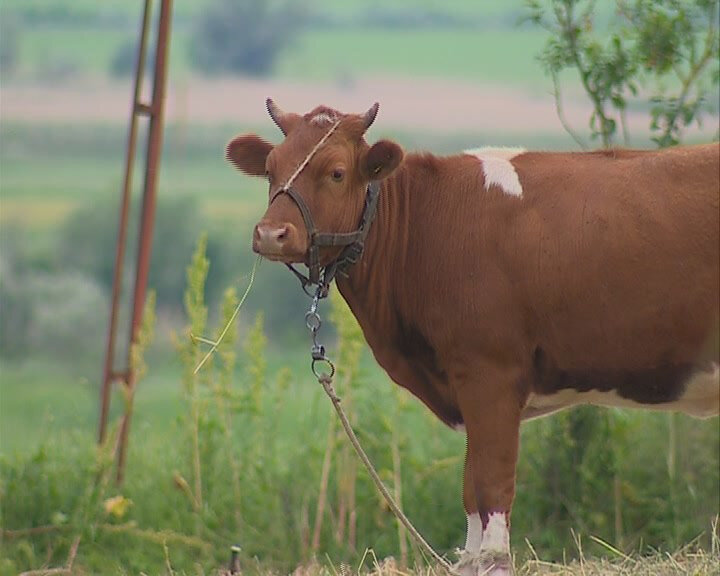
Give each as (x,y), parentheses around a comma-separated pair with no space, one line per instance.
(484,564)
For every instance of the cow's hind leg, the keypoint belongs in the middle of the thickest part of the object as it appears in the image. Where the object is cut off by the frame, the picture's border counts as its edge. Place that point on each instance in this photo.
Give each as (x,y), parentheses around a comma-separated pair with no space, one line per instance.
(491,411)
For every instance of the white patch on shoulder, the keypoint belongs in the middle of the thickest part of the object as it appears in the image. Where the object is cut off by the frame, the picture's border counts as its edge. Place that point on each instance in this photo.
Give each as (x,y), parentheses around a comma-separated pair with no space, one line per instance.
(323,118)
(474,533)
(700,399)
(496,536)
(498,168)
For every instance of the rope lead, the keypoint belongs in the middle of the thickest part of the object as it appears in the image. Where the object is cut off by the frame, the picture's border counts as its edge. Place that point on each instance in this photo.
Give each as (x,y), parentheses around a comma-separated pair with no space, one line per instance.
(326,379)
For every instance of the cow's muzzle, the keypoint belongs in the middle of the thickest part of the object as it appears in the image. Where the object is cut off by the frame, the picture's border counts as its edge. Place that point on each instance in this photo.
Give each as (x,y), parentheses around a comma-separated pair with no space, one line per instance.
(284,243)
(280,242)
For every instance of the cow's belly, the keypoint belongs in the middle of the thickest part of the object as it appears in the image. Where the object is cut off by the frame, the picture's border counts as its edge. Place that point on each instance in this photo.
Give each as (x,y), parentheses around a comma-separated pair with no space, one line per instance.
(700,398)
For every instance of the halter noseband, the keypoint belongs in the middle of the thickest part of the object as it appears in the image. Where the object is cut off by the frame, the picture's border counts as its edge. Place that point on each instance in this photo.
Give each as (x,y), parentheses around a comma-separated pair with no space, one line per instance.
(354,242)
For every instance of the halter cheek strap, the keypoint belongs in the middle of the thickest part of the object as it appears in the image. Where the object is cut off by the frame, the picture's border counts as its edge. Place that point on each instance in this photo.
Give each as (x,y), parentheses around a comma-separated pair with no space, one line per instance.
(354,242)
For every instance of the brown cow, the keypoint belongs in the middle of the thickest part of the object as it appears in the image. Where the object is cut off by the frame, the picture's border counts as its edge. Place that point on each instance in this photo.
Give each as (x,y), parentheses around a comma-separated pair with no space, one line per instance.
(500,285)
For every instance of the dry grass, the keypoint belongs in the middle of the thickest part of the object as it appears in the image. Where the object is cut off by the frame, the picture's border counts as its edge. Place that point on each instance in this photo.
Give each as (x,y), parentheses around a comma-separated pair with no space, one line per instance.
(689,561)
(683,563)
(680,564)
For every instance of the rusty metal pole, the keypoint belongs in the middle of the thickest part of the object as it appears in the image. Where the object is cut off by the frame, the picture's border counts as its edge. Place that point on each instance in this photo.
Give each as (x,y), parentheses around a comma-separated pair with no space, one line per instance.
(155,134)
(109,374)
(155,112)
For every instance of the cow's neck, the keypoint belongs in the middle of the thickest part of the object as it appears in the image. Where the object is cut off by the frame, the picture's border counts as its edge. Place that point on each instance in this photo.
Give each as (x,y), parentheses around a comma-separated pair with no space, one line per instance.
(394,292)
(374,282)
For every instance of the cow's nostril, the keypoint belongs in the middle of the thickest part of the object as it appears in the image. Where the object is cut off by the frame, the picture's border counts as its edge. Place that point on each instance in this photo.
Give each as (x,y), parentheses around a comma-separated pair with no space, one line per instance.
(282,233)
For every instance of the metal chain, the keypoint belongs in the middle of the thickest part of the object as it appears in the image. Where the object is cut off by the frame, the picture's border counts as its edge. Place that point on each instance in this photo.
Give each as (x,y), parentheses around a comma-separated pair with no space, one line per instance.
(313,323)
(325,378)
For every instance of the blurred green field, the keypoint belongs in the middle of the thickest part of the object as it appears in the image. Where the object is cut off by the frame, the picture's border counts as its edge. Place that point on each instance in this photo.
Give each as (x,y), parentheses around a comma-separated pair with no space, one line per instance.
(40,401)
(340,8)
(470,55)
(319,55)
(48,171)
(87,37)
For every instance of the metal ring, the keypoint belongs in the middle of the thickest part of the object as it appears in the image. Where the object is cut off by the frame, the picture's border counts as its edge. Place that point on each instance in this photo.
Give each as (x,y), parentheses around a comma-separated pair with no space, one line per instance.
(312,321)
(319,374)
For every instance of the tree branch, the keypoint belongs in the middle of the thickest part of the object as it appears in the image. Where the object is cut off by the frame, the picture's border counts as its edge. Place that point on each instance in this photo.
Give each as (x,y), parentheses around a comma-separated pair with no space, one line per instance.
(695,69)
(561,114)
(566,21)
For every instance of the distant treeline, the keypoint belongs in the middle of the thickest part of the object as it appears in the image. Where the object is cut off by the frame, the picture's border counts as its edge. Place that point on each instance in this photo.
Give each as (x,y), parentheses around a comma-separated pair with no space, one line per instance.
(226,36)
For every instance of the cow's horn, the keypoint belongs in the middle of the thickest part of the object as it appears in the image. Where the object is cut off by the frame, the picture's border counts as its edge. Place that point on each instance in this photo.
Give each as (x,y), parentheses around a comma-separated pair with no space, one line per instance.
(369,116)
(276,114)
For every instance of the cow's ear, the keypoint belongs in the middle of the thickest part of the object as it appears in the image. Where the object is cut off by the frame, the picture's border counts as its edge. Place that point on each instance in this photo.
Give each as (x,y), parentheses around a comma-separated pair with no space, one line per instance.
(248,153)
(381,159)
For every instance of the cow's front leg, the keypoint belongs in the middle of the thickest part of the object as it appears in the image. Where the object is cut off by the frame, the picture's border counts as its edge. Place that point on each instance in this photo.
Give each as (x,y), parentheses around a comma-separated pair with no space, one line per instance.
(490,406)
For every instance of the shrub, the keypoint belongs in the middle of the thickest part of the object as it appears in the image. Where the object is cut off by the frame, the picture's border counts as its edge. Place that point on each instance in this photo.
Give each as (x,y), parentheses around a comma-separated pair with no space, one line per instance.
(9,44)
(124,59)
(244,36)
(59,315)
(87,244)
(69,315)
(651,44)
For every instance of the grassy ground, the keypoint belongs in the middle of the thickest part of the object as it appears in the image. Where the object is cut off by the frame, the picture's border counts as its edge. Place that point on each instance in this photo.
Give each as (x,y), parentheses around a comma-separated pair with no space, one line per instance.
(48,420)
(39,401)
(686,562)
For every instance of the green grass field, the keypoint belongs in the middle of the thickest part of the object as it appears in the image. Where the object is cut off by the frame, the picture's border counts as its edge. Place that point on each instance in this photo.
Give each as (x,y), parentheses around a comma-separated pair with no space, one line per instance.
(47,429)
(340,8)
(48,171)
(470,55)
(85,40)
(39,400)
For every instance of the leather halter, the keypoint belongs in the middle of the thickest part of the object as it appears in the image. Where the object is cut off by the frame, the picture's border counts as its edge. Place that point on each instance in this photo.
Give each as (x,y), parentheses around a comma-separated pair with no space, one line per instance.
(354,242)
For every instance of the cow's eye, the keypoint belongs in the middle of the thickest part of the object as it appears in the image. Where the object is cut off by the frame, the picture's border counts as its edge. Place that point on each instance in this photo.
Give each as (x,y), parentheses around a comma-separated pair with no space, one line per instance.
(268,175)
(338,174)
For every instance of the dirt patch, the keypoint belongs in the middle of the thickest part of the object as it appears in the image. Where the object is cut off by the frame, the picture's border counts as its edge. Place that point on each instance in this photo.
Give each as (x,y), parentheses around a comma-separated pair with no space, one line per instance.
(408,104)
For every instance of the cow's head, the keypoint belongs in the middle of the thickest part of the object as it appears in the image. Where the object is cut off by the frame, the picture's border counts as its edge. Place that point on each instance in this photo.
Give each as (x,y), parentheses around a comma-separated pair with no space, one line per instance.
(332,184)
